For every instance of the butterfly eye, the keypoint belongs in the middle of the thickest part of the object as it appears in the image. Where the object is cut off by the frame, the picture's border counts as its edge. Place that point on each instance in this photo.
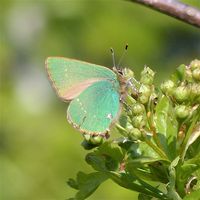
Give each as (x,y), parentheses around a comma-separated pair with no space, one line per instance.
(120,71)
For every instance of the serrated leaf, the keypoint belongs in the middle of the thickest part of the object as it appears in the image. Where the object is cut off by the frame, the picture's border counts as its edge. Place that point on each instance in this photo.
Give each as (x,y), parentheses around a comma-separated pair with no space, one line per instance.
(166,126)
(154,171)
(88,183)
(72,183)
(106,158)
(193,196)
(147,151)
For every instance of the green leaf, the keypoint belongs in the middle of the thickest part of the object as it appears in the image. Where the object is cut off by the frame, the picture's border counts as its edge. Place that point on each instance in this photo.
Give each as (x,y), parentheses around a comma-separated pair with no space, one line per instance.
(193,196)
(197,174)
(145,163)
(133,183)
(166,127)
(147,151)
(189,167)
(154,171)
(144,197)
(192,134)
(179,74)
(86,184)
(194,149)
(193,137)
(107,157)
(72,183)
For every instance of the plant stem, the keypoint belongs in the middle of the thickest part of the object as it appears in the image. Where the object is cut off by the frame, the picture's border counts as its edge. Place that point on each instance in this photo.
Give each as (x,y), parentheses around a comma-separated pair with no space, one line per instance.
(174,8)
(156,149)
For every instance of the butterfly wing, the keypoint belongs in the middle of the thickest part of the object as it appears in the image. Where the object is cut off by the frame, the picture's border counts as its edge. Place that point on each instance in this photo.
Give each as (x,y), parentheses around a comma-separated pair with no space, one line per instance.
(70,77)
(95,108)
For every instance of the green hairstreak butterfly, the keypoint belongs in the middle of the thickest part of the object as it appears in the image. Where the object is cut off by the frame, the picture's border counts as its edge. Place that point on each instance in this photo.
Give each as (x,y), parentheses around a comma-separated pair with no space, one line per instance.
(93,92)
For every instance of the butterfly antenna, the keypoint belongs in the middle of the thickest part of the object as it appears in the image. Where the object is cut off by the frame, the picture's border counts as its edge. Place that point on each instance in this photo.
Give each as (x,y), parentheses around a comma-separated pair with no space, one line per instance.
(124,53)
(113,56)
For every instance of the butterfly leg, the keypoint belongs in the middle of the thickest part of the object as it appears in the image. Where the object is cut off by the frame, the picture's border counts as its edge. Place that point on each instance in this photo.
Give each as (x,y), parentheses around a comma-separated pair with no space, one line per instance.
(123,101)
(131,85)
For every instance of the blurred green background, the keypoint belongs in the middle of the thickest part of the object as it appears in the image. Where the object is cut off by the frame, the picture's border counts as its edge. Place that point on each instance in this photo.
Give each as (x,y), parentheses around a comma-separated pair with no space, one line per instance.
(39,150)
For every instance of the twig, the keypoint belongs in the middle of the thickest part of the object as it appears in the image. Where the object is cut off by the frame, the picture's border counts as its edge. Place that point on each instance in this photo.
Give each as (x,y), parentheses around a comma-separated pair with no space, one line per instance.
(174,8)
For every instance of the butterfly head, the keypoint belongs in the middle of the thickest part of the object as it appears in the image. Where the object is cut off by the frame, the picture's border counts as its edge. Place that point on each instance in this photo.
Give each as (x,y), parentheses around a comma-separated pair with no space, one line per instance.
(123,73)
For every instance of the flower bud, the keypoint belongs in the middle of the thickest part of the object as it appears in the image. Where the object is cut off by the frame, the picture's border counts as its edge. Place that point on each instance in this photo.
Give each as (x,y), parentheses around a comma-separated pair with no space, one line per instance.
(195,90)
(196,74)
(96,140)
(144,93)
(143,99)
(91,141)
(136,134)
(138,121)
(167,87)
(147,76)
(188,74)
(195,64)
(182,93)
(182,111)
(137,109)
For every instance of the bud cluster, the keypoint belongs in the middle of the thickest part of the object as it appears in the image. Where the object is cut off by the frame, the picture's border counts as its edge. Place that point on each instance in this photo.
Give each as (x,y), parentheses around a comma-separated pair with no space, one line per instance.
(139,94)
(184,89)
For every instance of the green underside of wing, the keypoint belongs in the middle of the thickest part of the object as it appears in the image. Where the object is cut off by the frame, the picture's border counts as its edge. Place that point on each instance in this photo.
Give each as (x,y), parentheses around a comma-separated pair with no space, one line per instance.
(94,109)
(64,73)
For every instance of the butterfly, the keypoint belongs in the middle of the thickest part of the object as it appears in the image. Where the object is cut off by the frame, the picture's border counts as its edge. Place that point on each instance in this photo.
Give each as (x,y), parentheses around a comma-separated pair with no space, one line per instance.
(92,90)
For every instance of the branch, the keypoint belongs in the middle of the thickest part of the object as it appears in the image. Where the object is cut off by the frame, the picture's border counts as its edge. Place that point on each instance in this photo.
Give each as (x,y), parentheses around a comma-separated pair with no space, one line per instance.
(174,8)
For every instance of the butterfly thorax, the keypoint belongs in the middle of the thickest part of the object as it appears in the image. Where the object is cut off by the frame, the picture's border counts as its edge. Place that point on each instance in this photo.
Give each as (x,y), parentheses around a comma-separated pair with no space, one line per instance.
(123,79)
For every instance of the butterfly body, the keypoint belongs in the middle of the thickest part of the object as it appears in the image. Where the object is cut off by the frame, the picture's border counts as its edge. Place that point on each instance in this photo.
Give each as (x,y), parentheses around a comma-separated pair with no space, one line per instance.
(93,91)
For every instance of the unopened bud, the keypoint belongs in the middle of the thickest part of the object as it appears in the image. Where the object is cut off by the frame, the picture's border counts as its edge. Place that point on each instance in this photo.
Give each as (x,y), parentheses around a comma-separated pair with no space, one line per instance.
(144,93)
(138,121)
(182,93)
(137,109)
(195,64)
(195,90)
(136,133)
(91,141)
(167,87)
(96,140)
(188,74)
(182,111)
(196,74)
(147,76)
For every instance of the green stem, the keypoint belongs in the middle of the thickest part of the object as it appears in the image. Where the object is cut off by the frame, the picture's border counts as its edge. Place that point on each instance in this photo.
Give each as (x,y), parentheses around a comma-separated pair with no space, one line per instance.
(156,149)
(124,181)
(151,126)
(153,189)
